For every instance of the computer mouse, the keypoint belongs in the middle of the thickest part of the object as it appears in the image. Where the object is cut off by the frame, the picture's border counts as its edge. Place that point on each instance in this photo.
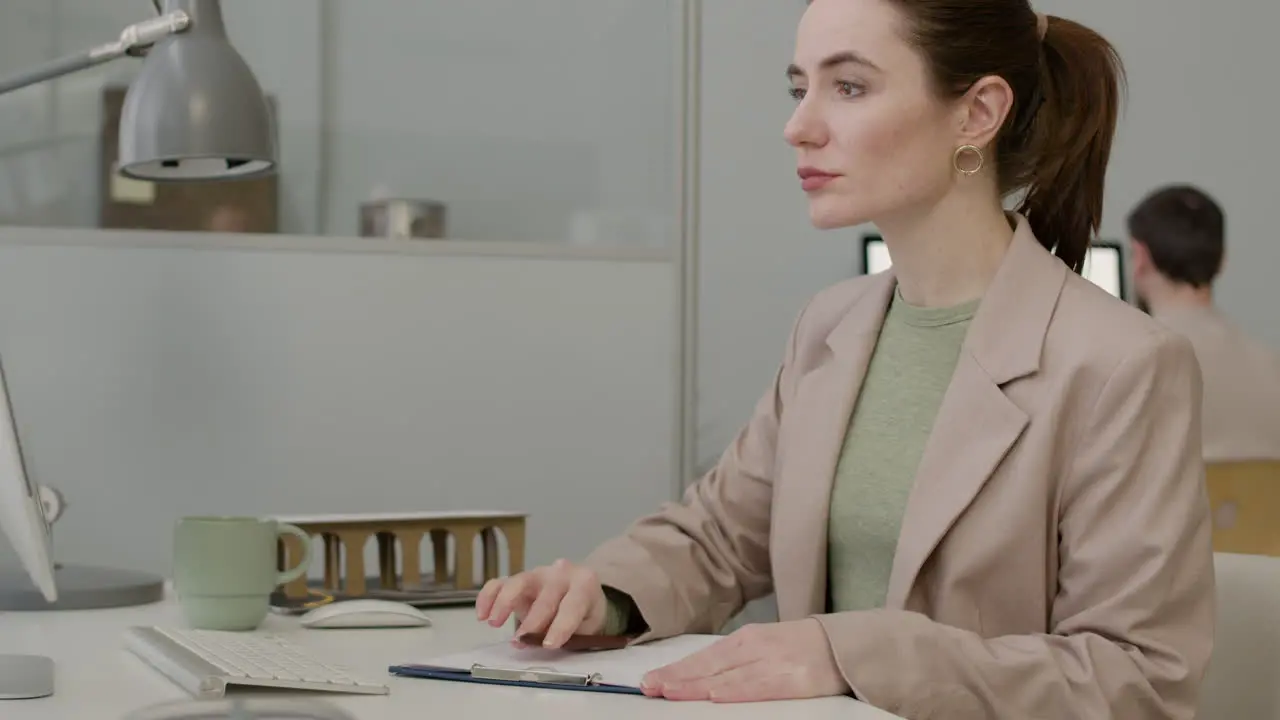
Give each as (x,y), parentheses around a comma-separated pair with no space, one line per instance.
(364,614)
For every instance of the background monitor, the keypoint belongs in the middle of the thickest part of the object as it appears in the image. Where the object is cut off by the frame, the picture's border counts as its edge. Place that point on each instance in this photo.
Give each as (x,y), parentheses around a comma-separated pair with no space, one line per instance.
(1104,266)
(22,515)
(1104,263)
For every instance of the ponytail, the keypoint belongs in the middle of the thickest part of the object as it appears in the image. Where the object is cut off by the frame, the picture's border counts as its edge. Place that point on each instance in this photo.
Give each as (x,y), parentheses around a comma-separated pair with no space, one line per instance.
(1067,143)
(1066,81)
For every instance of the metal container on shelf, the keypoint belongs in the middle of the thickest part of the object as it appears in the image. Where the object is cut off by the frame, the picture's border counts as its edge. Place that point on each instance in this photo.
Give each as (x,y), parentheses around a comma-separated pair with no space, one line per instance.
(402,218)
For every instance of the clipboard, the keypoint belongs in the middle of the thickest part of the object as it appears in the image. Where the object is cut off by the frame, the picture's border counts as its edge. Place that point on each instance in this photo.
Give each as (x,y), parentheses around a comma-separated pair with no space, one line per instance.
(616,671)
(533,677)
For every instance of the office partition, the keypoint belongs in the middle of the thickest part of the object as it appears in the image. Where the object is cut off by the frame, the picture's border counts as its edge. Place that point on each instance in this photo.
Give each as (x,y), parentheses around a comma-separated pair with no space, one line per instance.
(156,375)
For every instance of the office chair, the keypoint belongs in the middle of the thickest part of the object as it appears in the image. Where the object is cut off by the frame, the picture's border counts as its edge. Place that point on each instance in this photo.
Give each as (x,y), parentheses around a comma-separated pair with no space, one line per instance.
(1245,501)
(243,709)
(1240,683)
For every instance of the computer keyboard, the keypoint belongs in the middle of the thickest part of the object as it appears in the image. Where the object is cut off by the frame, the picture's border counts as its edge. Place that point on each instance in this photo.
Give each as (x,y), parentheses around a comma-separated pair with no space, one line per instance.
(206,662)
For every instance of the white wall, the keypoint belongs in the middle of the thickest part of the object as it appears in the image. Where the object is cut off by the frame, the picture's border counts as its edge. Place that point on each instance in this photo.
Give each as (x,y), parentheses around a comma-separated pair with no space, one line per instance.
(226,375)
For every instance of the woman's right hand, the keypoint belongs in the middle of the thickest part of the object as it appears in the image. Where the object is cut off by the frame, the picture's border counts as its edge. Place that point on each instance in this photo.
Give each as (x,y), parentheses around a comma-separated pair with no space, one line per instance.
(558,600)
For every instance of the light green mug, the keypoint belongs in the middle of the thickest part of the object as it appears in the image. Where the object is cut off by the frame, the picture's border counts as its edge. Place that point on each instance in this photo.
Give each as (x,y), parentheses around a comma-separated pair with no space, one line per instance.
(224,569)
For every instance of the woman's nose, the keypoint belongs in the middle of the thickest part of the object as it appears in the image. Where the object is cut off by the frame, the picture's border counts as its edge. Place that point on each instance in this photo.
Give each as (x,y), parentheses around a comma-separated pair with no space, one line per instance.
(804,128)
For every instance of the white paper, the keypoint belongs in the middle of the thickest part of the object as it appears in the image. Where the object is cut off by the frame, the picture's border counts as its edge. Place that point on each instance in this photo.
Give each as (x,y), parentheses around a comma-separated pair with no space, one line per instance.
(623,667)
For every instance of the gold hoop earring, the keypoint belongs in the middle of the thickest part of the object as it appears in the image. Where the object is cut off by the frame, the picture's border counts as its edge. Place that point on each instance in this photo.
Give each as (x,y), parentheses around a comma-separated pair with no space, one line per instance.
(957,160)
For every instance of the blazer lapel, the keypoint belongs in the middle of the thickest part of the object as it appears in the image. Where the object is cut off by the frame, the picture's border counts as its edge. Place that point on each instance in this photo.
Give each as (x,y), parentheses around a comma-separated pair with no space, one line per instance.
(975,427)
(820,413)
(977,423)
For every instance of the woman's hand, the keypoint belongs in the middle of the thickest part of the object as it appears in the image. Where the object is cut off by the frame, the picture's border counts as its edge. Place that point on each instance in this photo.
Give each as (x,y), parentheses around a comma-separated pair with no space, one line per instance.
(777,661)
(559,600)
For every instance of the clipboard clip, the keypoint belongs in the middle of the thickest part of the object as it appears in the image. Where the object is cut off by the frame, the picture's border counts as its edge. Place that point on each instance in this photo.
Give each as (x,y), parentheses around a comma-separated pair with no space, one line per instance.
(535,674)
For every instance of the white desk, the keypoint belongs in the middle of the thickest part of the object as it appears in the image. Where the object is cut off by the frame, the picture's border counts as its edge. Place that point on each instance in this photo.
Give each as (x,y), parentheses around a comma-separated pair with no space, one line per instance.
(97,679)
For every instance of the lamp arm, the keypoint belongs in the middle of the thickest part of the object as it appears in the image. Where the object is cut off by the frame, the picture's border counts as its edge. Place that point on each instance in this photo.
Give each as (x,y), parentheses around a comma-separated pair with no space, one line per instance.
(138,35)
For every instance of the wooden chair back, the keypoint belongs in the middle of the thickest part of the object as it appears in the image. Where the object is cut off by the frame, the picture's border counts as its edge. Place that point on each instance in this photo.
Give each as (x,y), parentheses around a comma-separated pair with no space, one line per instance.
(1245,501)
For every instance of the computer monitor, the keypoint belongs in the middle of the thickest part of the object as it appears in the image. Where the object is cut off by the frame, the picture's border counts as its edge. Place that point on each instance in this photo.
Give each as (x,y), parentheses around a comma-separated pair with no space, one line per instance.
(1104,266)
(47,584)
(22,515)
(1104,263)
(22,520)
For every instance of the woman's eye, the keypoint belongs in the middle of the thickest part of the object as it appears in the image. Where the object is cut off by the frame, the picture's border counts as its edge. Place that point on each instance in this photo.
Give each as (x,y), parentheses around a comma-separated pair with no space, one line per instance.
(796,93)
(848,89)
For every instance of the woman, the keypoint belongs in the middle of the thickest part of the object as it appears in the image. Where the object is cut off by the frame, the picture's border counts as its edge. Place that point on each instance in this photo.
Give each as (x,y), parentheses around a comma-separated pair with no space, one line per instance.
(975,484)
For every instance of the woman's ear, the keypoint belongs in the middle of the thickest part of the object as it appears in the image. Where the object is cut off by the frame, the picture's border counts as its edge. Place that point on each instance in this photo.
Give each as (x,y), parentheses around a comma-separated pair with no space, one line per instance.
(983,110)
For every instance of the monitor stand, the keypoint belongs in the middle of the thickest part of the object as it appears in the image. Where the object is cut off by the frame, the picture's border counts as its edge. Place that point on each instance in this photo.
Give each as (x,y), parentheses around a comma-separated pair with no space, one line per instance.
(81,588)
(24,677)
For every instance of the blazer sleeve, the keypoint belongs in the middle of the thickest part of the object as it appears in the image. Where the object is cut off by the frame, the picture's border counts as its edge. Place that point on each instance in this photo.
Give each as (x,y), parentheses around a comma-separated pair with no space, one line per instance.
(1132,623)
(693,565)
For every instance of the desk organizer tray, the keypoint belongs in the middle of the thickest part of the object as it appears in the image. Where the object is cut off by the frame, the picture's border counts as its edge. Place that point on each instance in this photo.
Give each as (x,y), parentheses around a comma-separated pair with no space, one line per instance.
(420,597)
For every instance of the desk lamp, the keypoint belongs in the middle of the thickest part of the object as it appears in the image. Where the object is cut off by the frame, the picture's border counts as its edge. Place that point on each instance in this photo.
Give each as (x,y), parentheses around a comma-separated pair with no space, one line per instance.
(194,112)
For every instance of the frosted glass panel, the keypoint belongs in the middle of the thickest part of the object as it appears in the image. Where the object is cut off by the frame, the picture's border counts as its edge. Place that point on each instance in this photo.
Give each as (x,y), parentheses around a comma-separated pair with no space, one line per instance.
(550,121)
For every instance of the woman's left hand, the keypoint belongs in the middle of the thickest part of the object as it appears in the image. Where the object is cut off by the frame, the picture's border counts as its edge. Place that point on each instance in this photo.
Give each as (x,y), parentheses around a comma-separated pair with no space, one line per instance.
(775,661)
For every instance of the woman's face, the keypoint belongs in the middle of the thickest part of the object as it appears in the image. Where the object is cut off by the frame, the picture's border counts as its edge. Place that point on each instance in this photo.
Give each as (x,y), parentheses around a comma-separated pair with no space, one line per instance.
(872,138)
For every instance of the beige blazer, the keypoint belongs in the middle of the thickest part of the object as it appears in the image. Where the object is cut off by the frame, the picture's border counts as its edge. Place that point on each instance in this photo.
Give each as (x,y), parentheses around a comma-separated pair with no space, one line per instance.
(1241,386)
(1054,559)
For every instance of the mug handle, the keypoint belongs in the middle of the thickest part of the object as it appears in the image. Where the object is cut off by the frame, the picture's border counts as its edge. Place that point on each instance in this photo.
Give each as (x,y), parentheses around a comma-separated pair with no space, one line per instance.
(288,576)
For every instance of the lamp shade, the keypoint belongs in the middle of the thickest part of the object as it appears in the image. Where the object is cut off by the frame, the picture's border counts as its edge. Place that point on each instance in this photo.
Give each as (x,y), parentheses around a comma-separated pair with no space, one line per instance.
(195,110)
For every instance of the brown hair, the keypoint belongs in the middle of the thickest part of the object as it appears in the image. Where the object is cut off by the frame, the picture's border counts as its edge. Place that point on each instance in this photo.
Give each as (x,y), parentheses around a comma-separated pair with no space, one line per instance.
(1056,142)
(1182,228)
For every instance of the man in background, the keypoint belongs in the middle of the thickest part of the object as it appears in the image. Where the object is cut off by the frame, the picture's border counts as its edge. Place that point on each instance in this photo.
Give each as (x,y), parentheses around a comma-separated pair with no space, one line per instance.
(1177,242)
